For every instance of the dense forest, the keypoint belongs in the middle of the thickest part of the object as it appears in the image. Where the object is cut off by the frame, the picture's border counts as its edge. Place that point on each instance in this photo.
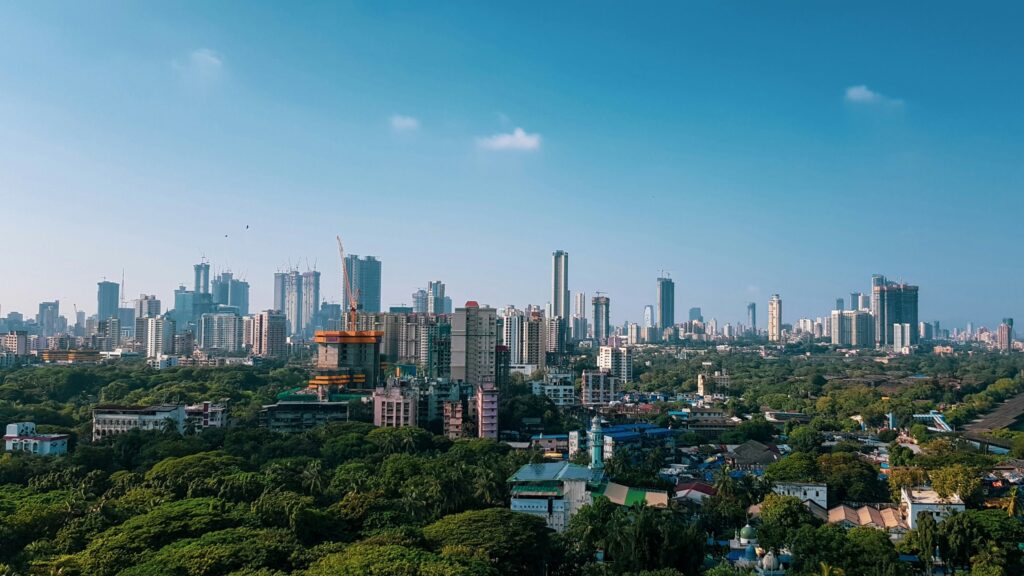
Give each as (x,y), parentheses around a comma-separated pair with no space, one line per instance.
(351,499)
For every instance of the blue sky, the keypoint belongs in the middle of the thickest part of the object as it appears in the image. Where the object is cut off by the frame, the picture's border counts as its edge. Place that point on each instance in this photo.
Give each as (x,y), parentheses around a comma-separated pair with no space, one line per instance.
(746,147)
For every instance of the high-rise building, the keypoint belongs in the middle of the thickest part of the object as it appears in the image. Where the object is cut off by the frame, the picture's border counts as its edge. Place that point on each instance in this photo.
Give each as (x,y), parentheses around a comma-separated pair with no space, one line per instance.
(581,305)
(560,284)
(840,305)
(229,291)
(395,407)
(486,408)
(775,318)
(855,300)
(512,333)
(147,306)
(752,317)
(435,297)
(159,336)
(269,334)
(903,336)
(47,317)
(598,387)
(108,299)
(602,318)
(1004,336)
(474,338)
(534,344)
(280,287)
(649,316)
(419,301)
(666,303)
(892,303)
(696,315)
(852,328)
(220,331)
(616,360)
(202,280)
(292,301)
(364,277)
(310,300)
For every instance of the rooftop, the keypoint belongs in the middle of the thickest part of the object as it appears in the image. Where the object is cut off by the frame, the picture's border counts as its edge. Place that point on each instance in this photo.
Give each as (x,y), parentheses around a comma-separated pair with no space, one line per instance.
(929,496)
(547,472)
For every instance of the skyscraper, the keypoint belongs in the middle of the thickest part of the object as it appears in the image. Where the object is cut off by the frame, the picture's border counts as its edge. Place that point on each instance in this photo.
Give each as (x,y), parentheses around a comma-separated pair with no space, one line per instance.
(108,300)
(512,333)
(893,303)
(280,287)
(581,305)
(419,301)
(855,300)
(159,336)
(775,318)
(220,331)
(840,305)
(602,321)
(696,315)
(292,301)
(202,280)
(560,283)
(47,317)
(474,338)
(364,277)
(229,291)
(147,306)
(666,303)
(310,300)
(752,317)
(1005,335)
(435,297)
(648,316)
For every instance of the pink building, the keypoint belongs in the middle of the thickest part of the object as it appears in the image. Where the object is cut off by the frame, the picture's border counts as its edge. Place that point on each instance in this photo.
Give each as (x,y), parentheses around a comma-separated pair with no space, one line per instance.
(487,410)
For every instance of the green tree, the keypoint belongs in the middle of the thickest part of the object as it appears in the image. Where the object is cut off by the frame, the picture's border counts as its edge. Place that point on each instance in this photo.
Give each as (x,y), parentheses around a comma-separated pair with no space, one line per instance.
(956,480)
(805,439)
(516,543)
(781,518)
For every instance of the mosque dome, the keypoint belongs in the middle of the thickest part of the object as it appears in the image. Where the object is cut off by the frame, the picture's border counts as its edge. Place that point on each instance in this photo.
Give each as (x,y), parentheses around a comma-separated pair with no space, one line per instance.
(748,533)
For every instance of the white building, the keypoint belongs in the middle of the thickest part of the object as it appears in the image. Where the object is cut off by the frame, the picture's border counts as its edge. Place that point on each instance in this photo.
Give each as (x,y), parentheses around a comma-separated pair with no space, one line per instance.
(113,420)
(159,336)
(220,331)
(599,388)
(775,319)
(561,393)
(914,501)
(616,360)
(552,491)
(804,491)
(22,437)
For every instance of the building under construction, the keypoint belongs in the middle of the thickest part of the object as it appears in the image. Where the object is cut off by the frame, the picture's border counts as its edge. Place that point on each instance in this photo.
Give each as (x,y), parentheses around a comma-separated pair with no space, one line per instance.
(348,361)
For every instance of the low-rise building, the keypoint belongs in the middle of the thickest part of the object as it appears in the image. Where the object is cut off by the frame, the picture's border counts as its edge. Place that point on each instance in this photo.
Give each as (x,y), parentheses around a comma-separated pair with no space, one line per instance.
(888,519)
(395,407)
(814,491)
(113,420)
(22,437)
(554,491)
(290,416)
(914,501)
(206,415)
(550,442)
(560,393)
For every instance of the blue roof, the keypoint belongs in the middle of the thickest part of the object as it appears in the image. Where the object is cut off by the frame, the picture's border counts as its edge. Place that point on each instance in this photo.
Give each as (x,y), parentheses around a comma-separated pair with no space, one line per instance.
(624,435)
(552,436)
(660,432)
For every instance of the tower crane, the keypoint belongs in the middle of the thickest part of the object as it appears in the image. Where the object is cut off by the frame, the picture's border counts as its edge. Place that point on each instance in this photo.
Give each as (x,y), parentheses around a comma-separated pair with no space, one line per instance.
(346,286)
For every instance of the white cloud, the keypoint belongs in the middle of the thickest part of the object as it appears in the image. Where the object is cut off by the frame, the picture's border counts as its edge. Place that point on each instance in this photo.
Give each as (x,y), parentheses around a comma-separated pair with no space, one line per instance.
(861,94)
(518,139)
(202,63)
(401,123)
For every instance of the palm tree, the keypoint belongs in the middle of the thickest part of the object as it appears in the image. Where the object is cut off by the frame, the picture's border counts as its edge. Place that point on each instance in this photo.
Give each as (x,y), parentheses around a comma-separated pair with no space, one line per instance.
(312,477)
(1012,504)
(830,570)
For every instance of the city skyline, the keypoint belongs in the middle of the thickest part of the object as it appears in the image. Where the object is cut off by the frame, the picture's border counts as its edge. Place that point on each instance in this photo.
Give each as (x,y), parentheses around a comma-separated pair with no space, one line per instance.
(225,134)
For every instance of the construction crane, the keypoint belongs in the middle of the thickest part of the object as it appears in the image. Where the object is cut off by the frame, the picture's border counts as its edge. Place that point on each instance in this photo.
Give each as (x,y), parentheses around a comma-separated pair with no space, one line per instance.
(346,286)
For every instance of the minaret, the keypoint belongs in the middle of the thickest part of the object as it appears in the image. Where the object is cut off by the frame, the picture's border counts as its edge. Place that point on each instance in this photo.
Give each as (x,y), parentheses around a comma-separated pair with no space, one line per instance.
(595,439)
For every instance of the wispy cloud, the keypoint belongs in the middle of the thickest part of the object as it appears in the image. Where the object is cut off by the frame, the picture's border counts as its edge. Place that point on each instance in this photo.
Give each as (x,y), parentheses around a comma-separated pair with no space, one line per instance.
(518,139)
(400,123)
(202,64)
(861,94)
